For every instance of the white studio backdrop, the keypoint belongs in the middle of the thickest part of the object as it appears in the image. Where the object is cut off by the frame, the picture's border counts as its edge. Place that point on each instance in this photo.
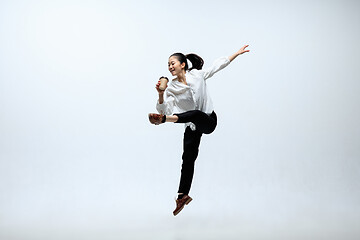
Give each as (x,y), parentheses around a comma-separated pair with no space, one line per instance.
(79,159)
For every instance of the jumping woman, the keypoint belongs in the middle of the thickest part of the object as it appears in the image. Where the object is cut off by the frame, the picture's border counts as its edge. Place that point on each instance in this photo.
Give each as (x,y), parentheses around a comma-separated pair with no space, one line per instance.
(186,100)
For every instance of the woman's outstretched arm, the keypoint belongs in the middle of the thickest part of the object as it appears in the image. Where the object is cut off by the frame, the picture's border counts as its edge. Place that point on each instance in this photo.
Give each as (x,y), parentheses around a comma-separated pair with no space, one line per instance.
(241,51)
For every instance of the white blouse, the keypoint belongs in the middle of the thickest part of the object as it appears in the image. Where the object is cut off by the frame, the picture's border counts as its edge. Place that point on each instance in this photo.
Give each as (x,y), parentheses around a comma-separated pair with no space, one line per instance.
(179,98)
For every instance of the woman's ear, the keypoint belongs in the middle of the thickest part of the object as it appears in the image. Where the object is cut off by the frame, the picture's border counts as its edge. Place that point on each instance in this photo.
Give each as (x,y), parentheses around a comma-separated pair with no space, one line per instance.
(182,65)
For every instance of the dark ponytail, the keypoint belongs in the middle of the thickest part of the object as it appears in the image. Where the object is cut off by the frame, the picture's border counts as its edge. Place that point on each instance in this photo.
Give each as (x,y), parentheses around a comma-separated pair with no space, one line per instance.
(196,61)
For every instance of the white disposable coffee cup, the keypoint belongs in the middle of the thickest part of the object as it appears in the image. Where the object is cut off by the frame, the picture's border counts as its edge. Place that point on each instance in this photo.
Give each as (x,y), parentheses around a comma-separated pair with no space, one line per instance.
(163,83)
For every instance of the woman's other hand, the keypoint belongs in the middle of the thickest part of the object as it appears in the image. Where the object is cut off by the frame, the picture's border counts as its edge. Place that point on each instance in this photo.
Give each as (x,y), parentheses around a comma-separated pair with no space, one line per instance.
(242,50)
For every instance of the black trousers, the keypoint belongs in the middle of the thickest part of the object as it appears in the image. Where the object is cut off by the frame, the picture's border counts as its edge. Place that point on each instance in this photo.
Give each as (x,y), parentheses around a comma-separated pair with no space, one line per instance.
(204,124)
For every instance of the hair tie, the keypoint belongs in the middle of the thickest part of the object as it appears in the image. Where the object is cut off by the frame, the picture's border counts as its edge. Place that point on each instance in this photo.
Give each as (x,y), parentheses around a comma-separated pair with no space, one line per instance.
(189,63)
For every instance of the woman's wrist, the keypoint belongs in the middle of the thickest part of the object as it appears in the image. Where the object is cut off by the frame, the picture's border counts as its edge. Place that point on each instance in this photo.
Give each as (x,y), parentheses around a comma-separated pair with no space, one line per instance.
(232,57)
(161,98)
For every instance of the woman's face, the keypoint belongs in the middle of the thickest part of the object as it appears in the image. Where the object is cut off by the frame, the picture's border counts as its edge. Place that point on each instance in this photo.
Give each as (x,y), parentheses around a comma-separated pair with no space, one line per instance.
(175,68)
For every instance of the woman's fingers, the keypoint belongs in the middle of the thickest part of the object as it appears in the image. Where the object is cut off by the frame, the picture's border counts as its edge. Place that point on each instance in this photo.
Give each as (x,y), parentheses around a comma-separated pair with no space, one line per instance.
(242,50)
(157,87)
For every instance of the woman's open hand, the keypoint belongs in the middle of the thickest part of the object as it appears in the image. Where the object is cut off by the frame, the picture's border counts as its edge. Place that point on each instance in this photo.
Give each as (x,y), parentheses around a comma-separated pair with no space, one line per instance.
(242,50)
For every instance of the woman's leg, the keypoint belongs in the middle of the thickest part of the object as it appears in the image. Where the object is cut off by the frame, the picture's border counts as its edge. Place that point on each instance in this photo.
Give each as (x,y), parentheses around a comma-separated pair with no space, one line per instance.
(204,123)
(191,150)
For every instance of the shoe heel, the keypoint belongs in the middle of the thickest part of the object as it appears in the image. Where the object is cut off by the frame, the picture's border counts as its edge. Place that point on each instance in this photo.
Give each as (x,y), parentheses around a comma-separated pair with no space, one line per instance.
(188,201)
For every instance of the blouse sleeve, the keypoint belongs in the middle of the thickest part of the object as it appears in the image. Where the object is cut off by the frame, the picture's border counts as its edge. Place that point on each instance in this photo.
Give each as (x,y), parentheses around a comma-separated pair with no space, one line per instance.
(167,107)
(216,66)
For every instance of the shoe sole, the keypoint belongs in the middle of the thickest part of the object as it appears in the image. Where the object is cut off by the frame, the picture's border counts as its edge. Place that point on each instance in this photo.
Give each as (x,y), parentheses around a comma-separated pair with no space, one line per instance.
(186,203)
